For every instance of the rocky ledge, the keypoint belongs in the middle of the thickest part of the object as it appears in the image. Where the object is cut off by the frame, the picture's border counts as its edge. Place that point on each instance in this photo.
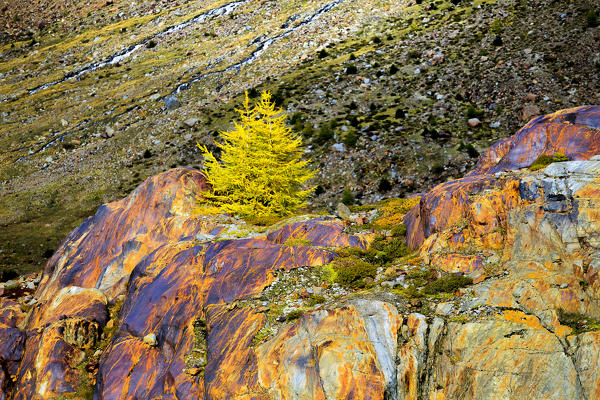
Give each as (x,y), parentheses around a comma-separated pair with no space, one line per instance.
(148,300)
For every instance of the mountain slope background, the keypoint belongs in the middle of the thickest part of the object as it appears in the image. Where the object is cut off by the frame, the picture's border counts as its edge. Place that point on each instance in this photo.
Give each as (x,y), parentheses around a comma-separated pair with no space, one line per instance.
(382,91)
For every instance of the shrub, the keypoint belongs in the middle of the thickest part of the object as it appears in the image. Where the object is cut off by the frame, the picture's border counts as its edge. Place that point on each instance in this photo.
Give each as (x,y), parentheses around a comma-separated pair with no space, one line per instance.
(473,112)
(350,138)
(347,197)
(591,19)
(325,133)
(544,160)
(352,272)
(315,299)
(293,315)
(351,70)
(323,53)
(261,170)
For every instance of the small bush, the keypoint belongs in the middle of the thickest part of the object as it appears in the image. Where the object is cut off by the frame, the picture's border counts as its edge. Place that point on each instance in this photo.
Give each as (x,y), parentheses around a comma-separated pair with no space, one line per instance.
(591,19)
(470,149)
(351,70)
(308,131)
(350,138)
(473,112)
(496,27)
(384,185)
(151,44)
(352,272)
(315,299)
(323,53)
(352,57)
(393,247)
(293,315)
(414,54)
(325,133)
(376,40)
(448,284)
(347,197)
(497,41)
(544,160)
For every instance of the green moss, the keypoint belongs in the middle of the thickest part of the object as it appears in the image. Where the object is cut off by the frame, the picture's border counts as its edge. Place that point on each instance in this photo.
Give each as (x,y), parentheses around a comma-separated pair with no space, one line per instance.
(295,314)
(448,284)
(544,160)
(298,242)
(315,299)
(578,322)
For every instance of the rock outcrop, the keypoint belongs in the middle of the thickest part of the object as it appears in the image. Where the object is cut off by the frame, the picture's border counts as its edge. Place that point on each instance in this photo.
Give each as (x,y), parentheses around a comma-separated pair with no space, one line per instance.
(148,300)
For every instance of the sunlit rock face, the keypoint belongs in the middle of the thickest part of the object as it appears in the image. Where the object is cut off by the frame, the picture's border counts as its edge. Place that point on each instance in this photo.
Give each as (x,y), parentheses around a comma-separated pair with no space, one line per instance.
(148,300)
(574,133)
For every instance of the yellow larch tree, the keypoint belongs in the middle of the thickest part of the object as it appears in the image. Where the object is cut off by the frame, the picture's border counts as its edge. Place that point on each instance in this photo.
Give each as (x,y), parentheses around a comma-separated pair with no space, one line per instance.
(261,170)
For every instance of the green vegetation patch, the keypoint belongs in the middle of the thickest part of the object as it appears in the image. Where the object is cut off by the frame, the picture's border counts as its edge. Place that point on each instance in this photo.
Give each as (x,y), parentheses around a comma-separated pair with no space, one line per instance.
(352,272)
(578,322)
(544,160)
(448,284)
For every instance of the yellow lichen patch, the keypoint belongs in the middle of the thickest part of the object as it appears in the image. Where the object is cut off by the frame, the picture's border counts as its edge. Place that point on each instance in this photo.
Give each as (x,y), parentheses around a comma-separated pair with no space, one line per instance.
(392,211)
(520,317)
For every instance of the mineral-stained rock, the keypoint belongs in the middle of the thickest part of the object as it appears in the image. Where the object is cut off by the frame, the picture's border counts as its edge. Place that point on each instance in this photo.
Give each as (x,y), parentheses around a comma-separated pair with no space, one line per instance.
(345,353)
(103,251)
(573,132)
(530,240)
(511,357)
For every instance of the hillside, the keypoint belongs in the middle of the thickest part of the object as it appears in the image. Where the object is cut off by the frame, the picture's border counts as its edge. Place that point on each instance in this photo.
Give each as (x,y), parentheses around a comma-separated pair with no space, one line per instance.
(83,90)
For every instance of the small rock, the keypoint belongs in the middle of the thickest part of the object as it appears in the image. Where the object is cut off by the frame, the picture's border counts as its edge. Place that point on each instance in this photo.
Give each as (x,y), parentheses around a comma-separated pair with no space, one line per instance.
(97,353)
(530,97)
(194,371)
(474,122)
(154,97)
(343,211)
(529,111)
(191,122)
(110,132)
(495,125)
(339,147)
(317,290)
(110,324)
(171,102)
(64,122)
(150,340)
(48,159)
(204,237)
(360,220)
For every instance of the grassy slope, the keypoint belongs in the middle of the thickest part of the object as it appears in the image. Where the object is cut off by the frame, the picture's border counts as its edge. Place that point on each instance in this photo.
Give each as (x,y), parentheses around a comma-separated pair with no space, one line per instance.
(41,201)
